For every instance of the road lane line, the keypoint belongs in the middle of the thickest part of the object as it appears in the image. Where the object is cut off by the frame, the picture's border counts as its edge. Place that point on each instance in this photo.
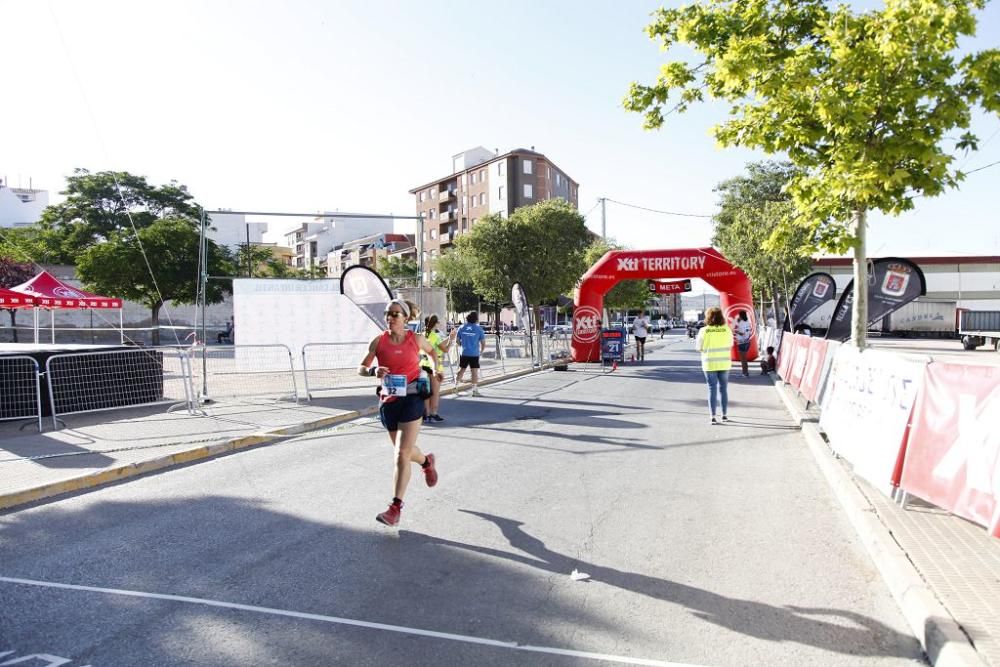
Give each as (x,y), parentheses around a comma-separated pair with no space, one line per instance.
(349,621)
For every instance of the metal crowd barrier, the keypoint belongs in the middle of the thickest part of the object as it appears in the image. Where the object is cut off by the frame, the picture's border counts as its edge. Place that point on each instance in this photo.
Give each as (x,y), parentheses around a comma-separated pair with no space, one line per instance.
(105,380)
(242,372)
(21,397)
(333,366)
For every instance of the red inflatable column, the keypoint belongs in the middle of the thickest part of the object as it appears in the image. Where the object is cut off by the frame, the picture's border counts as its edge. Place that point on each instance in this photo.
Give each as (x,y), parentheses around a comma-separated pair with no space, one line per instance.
(739,297)
(587,318)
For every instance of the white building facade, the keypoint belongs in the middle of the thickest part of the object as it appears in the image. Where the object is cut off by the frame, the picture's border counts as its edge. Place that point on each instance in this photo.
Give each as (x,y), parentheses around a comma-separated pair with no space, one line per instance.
(21,207)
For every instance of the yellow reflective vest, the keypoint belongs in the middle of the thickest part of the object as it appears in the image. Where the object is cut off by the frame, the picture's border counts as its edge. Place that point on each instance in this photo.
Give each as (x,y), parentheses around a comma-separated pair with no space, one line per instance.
(716,347)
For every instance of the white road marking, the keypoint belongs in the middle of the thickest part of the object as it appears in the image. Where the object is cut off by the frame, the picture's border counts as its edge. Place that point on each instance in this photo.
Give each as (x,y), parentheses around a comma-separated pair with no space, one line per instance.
(353,622)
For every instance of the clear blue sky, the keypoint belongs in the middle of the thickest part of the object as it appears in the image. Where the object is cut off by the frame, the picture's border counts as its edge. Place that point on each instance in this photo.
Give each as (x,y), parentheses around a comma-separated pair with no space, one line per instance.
(308,106)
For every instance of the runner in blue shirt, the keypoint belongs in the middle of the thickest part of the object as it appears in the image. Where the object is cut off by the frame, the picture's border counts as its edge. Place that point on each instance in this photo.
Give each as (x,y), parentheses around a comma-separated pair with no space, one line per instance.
(472,338)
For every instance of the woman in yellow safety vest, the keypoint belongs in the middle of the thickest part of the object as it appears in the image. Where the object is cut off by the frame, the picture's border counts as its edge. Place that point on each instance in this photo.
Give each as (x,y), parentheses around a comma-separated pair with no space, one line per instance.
(715,342)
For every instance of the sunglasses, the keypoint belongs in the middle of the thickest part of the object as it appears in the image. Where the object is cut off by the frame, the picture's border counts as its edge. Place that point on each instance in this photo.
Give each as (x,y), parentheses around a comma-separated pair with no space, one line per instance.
(393,313)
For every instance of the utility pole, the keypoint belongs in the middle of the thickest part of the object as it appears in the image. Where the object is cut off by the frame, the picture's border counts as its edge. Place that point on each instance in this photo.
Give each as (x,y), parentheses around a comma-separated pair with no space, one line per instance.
(604,219)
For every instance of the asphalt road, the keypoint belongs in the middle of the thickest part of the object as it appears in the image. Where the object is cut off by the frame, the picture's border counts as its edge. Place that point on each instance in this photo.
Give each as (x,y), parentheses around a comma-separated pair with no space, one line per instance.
(704,545)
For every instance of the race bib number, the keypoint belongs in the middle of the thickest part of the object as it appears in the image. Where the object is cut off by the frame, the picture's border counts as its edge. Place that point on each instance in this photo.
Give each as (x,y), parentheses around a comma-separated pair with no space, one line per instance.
(395,385)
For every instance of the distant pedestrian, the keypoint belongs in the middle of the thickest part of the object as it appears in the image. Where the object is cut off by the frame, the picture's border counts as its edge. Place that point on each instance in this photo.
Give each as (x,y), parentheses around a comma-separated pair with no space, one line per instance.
(472,338)
(401,405)
(663,327)
(743,333)
(769,363)
(715,342)
(640,329)
(435,361)
(227,335)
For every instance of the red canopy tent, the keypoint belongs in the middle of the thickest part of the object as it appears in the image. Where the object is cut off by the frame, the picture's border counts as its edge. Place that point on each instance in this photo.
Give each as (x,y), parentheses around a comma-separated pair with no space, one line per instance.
(12,299)
(47,291)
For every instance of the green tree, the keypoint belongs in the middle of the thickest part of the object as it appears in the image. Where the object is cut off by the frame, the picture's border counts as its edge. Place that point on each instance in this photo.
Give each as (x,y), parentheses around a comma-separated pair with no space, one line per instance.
(99,205)
(118,267)
(627,293)
(12,274)
(755,228)
(399,271)
(540,246)
(860,102)
(252,260)
(454,273)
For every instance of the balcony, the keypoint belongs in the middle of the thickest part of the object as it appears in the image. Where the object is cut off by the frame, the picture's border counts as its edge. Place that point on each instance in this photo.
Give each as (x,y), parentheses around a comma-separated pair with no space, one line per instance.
(447,216)
(446,195)
(446,239)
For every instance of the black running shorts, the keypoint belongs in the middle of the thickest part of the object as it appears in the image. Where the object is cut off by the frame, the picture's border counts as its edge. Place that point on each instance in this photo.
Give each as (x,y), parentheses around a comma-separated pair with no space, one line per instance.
(404,409)
(466,361)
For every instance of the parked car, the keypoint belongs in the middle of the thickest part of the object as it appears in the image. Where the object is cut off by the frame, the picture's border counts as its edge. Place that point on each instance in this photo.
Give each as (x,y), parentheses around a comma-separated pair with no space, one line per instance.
(553,329)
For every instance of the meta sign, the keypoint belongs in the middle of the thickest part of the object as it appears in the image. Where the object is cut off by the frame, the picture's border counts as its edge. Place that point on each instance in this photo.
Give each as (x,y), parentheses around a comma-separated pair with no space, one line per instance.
(669,287)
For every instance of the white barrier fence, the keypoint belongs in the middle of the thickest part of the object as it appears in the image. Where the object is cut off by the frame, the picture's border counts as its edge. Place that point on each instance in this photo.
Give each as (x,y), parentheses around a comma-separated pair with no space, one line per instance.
(243,372)
(332,366)
(104,380)
(21,397)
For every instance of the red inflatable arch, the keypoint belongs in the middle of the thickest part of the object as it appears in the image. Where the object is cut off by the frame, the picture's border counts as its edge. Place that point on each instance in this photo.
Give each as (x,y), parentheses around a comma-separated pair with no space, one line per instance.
(705,263)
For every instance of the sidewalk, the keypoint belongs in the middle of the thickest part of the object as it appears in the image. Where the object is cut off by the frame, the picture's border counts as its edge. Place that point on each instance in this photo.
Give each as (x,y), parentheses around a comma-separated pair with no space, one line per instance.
(943,571)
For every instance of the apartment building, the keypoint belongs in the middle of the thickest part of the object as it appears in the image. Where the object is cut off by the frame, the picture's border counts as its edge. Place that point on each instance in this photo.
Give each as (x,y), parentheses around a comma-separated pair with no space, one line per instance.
(369,251)
(21,207)
(313,241)
(483,182)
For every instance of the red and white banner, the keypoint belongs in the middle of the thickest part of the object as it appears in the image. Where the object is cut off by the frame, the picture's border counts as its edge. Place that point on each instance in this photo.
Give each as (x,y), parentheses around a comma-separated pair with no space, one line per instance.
(799,357)
(866,409)
(809,387)
(785,353)
(953,456)
(824,376)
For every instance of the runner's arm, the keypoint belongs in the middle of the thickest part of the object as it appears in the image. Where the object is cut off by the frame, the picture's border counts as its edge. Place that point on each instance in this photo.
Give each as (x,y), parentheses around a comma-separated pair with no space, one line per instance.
(364,368)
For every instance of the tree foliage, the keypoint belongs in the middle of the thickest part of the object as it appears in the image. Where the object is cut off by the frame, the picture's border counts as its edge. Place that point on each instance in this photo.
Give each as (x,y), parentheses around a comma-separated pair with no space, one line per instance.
(540,246)
(454,273)
(118,267)
(755,228)
(12,274)
(863,103)
(399,271)
(627,294)
(99,205)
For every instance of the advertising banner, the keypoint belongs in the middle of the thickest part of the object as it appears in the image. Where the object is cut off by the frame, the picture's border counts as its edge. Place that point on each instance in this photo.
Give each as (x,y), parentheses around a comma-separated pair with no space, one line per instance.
(612,345)
(366,289)
(892,283)
(785,353)
(669,287)
(812,373)
(799,358)
(814,290)
(867,407)
(953,455)
(831,352)
(521,307)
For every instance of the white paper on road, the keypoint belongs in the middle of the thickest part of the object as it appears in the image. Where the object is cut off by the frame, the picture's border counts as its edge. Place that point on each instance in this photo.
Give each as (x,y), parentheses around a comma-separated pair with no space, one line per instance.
(866,407)
(576,575)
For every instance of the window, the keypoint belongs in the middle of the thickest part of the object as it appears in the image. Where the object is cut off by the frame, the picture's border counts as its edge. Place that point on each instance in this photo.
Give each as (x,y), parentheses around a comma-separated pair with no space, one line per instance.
(500,193)
(500,167)
(433,214)
(474,220)
(527,167)
(465,202)
(474,174)
(425,236)
(465,180)
(558,178)
(482,199)
(434,193)
(527,191)
(424,255)
(434,254)
(423,195)
(424,277)
(482,175)
(434,233)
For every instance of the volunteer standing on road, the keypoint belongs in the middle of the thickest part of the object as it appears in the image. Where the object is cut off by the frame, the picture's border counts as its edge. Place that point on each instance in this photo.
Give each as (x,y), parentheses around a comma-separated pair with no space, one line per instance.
(640,329)
(715,342)
(398,353)
(441,346)
(743,333)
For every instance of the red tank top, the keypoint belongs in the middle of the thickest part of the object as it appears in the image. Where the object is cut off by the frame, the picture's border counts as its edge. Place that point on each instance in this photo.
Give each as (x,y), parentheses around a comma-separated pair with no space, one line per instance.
(402,359)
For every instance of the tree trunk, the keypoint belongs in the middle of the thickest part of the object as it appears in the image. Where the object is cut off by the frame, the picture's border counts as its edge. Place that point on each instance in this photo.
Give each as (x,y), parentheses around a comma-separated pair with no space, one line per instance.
(859,309)
(13,323)
(154,322)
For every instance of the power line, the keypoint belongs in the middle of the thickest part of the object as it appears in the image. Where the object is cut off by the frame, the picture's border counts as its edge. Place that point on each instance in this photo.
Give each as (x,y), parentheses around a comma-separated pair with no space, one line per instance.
(991,164)
(653,210)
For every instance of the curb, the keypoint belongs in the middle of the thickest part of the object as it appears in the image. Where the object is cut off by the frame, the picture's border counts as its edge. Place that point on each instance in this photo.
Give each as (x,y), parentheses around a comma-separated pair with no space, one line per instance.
(129,470)
(940,635)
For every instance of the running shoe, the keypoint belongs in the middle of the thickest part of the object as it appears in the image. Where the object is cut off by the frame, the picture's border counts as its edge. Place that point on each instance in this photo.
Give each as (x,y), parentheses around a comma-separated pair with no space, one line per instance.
(435,417)
(715,422)
(725,418)
(475,392)
(430,472)
(390,517)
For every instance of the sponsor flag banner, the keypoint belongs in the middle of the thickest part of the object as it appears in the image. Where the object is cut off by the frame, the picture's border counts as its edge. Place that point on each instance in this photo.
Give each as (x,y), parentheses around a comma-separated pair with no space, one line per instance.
(953,455)
(521,307)
(798,364)
(366,289)
(669,287)
(814,290)
(892,283)
(866,409)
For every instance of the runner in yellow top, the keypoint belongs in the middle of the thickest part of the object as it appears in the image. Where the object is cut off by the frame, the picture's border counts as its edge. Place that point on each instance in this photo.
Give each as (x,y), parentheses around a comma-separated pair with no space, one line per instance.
(435,366)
